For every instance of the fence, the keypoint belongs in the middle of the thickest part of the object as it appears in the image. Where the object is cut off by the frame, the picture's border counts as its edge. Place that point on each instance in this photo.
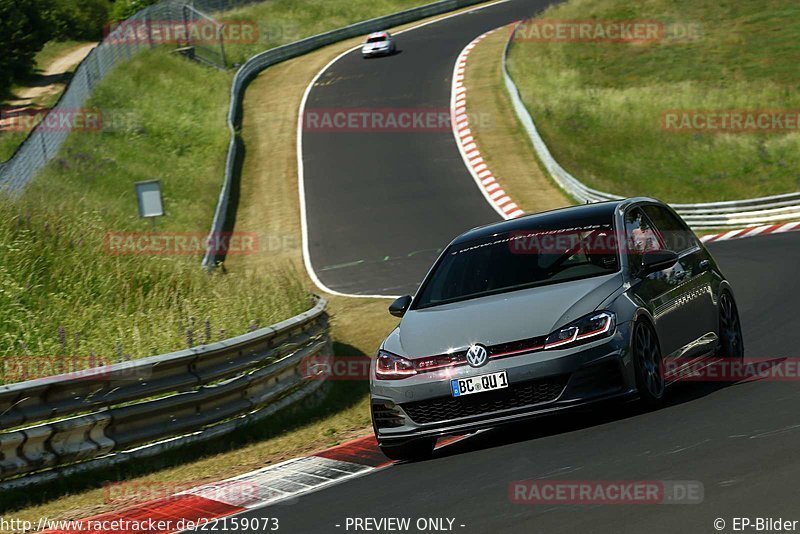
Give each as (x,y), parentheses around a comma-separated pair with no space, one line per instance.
(261,61)
(42,144)
(120,45)
(736,213)
(212,53)
(63,425)
(137,409)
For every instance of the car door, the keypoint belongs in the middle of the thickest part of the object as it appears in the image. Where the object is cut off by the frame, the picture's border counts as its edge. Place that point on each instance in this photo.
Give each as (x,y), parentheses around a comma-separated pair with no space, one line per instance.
(661,292)
(695,278)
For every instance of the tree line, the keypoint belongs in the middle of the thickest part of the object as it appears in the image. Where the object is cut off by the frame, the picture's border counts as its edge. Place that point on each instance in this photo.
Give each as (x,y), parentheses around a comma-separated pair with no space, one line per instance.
(26,25)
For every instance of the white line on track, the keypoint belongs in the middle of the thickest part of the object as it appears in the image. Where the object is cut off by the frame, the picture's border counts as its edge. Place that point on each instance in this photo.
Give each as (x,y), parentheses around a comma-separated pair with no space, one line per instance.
(468,148)
(300,167)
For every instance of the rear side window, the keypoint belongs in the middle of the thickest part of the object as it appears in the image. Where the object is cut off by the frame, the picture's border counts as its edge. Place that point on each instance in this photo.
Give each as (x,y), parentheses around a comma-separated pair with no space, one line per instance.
(641,234)
(676,236)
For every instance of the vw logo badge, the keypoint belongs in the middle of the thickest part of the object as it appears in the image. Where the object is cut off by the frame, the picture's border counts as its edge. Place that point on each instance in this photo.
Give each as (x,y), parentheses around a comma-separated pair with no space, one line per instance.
(477,355)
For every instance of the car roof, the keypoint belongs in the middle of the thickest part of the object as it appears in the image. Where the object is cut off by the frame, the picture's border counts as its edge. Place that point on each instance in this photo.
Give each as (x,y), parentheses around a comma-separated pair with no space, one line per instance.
(378,34)
(552,218)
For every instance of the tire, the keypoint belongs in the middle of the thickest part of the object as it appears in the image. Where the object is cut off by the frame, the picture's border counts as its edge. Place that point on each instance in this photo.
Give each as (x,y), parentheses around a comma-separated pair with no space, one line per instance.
(648,364)
(731,344)
(410,451)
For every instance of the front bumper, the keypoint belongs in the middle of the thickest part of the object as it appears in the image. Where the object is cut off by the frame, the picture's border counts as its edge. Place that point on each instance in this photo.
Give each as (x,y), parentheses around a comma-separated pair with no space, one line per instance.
(539,383)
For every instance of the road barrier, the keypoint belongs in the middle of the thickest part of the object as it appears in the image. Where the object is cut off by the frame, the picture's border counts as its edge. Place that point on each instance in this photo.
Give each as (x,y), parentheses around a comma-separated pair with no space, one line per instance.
(728,214)
(135,409)
(43,142)
(58,426)
(259,62)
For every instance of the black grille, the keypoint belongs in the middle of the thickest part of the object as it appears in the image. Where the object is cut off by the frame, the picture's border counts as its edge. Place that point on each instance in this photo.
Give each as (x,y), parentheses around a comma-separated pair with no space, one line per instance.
(386,417)
(515,396)
(512,347)
(596,379)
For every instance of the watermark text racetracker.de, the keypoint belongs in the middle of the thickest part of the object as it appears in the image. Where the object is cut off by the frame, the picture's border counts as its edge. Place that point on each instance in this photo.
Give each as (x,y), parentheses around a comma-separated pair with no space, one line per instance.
(720,121)
(748,369)
(606,492)
(328,367)
(543,30)
(55,120)
(155,524)
(180,243)
(414,120)
(172,32)
(76,367)
(125,493)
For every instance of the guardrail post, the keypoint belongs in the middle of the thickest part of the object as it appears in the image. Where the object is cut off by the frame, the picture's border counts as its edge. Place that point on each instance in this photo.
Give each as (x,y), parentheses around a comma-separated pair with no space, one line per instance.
(10,461)
(35,450)
(70,441)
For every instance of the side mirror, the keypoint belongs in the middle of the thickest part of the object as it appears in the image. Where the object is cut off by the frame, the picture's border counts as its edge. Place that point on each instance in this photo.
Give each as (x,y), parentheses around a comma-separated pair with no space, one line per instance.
(400,306)
(658,260)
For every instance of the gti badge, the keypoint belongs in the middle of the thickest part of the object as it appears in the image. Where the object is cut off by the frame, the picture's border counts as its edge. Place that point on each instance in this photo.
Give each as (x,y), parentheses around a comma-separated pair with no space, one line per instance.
(477,355)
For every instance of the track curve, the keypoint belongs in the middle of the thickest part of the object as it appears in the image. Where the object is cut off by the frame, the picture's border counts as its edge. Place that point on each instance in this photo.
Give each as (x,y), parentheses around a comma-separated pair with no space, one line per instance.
(740,441)
(380,205)
(402,196)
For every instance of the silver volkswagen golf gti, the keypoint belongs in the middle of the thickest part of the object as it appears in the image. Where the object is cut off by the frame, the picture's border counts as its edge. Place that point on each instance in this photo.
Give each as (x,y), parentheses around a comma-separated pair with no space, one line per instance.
(546,312)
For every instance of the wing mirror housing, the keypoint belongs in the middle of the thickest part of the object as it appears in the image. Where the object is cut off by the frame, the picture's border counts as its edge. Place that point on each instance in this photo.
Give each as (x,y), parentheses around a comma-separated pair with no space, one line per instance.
(400,306)
(658,260)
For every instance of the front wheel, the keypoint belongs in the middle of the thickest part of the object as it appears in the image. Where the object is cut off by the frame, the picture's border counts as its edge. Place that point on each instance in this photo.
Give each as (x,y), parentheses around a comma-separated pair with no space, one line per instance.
(648,364)
(411,451)
(731,345)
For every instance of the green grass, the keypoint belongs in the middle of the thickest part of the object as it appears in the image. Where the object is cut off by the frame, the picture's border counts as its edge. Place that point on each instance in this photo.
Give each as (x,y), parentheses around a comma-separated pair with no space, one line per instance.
(269,206)
(279,22)
(284,21)
(599,105)
(9,141)
(63,294)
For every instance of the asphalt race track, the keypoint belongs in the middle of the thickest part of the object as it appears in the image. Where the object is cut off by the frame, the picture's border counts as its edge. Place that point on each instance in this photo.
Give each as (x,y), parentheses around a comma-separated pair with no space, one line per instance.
(402,196)
(741,441)
(380,205)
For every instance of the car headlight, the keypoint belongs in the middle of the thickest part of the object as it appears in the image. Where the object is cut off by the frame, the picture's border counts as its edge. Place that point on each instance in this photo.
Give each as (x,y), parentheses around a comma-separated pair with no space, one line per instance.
(393,367)
(588,328)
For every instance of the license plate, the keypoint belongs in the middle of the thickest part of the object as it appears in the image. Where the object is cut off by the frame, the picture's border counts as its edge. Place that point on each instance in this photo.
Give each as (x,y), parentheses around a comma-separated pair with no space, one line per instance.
(479,384)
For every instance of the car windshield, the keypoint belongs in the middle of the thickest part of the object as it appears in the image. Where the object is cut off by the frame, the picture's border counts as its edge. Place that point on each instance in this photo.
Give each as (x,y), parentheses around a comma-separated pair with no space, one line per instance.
(520,260)
(377,39)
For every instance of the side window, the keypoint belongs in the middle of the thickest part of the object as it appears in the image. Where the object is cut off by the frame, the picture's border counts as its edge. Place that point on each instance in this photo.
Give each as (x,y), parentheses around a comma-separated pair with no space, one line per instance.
(640,236)
(640,232)
(676,236)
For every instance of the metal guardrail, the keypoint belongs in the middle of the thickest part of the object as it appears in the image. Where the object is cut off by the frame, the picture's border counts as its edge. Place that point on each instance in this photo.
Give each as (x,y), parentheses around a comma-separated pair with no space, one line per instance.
(130,408)
(42,144)
(211,53)
(727,214)
(261,61)
(62,425)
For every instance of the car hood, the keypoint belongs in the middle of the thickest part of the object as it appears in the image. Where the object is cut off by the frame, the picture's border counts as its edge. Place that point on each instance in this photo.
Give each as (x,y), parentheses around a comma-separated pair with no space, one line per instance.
(498,318)
(373,46)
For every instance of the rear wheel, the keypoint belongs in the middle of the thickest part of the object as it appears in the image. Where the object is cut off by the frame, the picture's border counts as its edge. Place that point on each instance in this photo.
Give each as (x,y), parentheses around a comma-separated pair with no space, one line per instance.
(419,449)
(647,364)
(731,344)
